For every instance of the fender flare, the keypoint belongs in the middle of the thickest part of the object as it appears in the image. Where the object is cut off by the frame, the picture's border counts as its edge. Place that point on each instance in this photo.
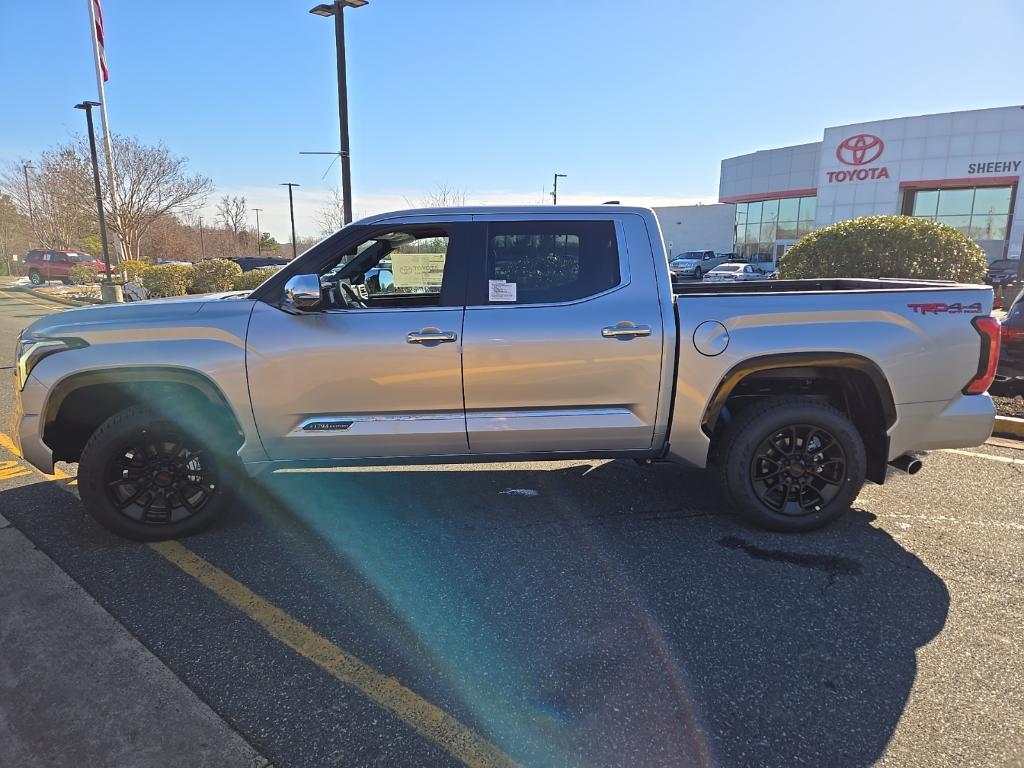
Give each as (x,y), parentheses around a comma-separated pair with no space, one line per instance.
(754,365)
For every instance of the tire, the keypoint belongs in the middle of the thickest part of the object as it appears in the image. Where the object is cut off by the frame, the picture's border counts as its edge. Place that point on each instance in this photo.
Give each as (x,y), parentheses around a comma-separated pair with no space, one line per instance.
(767,474)
(698,274)
(146,478)
(34,277)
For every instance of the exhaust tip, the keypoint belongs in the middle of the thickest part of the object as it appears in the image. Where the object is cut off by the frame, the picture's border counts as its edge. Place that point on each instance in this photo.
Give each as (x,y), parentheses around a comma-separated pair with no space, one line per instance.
(907,463)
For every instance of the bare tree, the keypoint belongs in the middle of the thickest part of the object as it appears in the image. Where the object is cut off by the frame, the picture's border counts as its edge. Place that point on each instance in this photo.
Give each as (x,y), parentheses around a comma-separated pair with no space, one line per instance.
(232,214)
(444,196)
(56,186)
(331,217)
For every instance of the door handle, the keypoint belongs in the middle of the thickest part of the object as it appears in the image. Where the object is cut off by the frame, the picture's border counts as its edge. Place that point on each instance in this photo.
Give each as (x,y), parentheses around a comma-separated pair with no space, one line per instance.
(625,331)
(431,337)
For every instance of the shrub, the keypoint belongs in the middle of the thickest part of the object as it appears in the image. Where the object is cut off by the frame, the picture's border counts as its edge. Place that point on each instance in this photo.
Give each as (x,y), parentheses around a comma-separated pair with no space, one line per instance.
(254,277)
(212,275)
(886,246)
(83,274)
(133,267)
(167,279)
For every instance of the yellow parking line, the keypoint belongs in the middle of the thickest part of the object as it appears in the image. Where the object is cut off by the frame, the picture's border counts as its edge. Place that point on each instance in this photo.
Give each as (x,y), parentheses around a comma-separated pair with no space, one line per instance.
(10,445)
(430,721)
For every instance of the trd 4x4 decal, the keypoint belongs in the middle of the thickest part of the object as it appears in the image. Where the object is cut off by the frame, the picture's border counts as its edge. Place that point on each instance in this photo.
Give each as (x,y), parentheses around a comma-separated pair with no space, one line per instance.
(946,309)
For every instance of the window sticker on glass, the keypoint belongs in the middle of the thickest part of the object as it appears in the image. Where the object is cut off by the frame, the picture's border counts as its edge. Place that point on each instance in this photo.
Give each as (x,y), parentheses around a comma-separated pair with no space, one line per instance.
(501,290)
(417,270)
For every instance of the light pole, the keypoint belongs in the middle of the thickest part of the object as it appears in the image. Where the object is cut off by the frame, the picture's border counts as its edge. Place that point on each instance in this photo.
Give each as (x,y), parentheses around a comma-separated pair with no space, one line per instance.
(554,192)
(202,243)
(28,196)
(336,9)
(110,293)
(259,234)
(291,211)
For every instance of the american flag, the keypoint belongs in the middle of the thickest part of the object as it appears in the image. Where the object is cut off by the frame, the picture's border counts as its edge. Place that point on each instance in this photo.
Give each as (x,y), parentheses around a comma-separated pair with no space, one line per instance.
(99,39)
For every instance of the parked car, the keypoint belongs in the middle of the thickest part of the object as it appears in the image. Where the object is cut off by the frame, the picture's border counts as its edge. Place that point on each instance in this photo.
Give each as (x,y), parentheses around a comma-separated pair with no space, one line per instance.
(249,263)
(1003,272)
(694,264)
(1011,354)
(41,266)
(734,272)
(795,392)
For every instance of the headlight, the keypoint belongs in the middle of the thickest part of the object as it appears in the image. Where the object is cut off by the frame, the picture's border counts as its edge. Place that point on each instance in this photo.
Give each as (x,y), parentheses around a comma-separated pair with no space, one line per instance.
(31,349)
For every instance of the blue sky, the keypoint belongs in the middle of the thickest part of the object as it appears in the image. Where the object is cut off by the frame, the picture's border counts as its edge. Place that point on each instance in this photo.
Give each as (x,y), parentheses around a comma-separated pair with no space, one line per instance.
(637,101)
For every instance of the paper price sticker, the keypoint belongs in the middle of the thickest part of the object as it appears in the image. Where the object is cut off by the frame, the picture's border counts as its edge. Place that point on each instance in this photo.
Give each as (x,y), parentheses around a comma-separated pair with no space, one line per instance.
(501,290)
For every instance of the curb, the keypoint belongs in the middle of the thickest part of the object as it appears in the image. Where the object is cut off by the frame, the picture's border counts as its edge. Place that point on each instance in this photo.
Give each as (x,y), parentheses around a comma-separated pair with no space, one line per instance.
(1009,426)
(54,299)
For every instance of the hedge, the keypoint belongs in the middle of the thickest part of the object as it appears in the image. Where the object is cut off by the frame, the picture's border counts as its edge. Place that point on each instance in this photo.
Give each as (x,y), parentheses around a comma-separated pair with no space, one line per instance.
(214,275)
(163,280)
(886,246)
(83,274)
(133,267)
(253,278)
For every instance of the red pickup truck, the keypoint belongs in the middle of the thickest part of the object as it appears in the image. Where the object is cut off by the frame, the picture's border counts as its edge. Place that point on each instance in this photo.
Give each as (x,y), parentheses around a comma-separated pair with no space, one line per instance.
(40,266)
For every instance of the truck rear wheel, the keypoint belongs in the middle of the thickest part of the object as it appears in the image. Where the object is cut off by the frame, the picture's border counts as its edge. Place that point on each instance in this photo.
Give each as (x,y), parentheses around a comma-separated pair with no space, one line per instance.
(147,478)
(35,277)
(791,464)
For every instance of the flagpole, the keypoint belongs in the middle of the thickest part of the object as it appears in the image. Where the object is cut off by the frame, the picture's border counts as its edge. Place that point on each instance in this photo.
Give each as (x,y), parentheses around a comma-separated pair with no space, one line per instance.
(108,147)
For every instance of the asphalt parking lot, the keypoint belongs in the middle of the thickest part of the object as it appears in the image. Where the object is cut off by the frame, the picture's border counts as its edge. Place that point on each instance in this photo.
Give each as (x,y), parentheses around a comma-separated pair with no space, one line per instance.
(574,614)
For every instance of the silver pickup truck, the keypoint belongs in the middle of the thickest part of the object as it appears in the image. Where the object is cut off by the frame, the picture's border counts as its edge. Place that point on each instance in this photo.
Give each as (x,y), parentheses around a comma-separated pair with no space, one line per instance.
(478,334)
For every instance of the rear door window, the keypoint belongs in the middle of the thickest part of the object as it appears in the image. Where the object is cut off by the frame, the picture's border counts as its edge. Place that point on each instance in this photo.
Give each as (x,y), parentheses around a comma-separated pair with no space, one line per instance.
(545,262)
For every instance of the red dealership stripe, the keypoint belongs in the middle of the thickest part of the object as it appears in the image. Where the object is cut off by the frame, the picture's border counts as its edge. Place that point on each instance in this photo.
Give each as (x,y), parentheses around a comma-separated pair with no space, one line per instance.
(768,195)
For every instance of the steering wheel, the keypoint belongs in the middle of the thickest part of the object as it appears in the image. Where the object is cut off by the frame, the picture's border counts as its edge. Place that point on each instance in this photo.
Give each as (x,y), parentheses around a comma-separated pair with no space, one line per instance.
(352,297)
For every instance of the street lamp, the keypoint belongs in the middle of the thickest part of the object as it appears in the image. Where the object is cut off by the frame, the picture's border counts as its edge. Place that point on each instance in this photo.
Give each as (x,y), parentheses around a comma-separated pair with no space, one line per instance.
(336,9)
(109,293)
(554,193)
(28,195)
(259,234)
(291,210)
(202,242)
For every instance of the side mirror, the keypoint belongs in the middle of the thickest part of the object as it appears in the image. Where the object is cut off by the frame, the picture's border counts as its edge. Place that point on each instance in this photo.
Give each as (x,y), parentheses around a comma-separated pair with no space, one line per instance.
(302,292)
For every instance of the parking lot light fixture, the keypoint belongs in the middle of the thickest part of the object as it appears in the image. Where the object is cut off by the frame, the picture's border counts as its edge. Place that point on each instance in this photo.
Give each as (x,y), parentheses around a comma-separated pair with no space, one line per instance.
(291,211)
(111,293)
(336,9)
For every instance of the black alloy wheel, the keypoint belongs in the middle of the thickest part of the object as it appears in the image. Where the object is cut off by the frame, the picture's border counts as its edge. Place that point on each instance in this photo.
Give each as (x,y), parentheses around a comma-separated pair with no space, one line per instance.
(161,477)
(798,470)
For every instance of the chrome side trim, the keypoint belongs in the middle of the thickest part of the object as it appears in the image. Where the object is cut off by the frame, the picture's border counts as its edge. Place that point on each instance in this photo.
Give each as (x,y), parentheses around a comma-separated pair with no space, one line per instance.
(553,413)
(332,425)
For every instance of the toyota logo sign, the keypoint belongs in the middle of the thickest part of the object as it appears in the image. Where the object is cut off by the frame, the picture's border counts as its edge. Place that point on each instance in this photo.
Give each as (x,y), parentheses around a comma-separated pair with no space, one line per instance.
(860,149)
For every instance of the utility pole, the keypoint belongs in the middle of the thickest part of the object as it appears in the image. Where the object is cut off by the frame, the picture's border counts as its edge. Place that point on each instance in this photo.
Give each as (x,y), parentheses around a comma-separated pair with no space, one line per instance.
(291,211)
(259,233)
(28,196)
(202,244)
(554,192)
(111,294)
(336,9)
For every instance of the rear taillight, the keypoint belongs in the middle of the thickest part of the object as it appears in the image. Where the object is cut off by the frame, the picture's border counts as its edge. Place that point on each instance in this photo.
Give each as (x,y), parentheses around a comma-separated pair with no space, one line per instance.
(988,328)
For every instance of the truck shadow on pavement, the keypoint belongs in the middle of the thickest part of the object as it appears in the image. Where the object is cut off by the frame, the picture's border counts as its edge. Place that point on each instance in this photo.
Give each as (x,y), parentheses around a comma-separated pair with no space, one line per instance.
(605,615)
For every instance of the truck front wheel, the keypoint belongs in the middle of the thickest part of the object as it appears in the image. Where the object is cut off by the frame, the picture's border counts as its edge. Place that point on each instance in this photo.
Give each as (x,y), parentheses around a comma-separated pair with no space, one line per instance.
(791,464)
(146,477)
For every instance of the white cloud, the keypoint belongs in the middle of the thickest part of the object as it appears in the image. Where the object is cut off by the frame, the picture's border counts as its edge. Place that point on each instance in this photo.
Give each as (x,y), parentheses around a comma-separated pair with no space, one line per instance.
(308,201)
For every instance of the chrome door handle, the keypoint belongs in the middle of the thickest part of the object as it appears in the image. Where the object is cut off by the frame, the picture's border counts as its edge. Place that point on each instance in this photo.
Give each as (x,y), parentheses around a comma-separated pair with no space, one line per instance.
(430,337)
(625,331)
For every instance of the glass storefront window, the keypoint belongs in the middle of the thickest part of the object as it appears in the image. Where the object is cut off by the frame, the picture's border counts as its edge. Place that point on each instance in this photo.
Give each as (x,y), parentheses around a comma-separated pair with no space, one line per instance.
(754,212)
(955,202)
(770,211)
(741,213)
(981,213)
(787,230)
(808,209)
(926,203)
(992,200)
(789,209)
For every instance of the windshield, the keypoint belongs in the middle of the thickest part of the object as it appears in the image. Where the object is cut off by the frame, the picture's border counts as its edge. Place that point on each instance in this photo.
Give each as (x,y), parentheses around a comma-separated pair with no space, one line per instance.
(80,257)
(728,268)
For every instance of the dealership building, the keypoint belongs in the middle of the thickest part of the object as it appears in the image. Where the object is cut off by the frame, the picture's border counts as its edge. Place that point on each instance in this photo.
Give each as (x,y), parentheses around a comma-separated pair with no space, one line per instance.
(959,168)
